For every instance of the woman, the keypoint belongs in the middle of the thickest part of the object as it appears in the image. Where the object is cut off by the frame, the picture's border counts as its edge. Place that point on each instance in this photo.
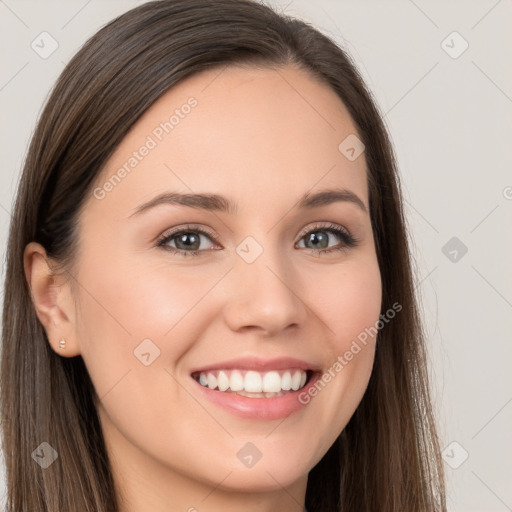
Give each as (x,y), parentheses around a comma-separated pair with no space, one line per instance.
(209,300)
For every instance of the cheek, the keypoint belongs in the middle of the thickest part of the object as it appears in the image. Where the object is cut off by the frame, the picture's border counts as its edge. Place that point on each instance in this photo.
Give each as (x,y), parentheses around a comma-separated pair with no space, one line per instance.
(355,317)
(350,306)
(129,302)
(348,301)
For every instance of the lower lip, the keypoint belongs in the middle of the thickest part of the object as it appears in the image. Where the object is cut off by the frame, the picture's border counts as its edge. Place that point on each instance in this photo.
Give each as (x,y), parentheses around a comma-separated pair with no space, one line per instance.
(258,408)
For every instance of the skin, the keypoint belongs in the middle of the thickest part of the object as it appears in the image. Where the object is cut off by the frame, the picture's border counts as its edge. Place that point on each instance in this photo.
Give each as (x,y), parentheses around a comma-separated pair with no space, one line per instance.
(255,139)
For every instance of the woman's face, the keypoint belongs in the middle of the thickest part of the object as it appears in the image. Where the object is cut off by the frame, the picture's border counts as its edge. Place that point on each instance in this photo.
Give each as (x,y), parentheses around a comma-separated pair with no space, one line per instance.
(245,296)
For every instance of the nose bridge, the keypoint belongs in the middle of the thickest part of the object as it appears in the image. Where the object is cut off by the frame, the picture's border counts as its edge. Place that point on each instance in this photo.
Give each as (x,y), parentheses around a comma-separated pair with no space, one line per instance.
(262,294)
(260,259)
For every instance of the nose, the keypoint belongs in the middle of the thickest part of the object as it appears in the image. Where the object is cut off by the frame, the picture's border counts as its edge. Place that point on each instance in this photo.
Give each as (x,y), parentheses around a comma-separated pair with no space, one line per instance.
(261,295)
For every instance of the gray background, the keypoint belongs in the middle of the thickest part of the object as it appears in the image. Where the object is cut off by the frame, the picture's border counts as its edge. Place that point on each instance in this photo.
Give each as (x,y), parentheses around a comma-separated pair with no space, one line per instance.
(449,118)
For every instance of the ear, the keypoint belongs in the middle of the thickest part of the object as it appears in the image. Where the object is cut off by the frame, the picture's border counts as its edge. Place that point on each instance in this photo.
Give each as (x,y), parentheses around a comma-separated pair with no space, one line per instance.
(53,302)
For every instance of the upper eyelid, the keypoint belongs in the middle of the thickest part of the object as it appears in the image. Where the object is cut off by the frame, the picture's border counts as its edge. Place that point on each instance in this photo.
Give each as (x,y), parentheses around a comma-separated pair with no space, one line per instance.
(173,232)
(319,225)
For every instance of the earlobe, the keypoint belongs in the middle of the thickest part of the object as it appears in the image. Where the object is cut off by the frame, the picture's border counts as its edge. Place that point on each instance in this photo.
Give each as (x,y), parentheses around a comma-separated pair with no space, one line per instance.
(51,300)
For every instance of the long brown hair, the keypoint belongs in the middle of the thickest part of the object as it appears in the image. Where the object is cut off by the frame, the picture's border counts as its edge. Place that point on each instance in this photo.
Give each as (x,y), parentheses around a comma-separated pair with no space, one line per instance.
(387,458)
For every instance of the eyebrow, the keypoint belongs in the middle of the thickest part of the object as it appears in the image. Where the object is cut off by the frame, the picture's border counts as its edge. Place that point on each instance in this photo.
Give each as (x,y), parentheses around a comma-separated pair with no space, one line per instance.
(215,202)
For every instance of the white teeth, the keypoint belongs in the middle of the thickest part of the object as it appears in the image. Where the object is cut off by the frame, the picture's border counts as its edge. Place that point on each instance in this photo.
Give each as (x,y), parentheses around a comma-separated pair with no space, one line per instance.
(259,395)
(254,384)
(211,380)
(222,381)
(295,381)
(272,382)
(286,381)
(236,382)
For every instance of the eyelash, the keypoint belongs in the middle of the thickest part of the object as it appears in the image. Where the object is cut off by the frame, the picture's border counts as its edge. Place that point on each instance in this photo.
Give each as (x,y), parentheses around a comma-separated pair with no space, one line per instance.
(348,240)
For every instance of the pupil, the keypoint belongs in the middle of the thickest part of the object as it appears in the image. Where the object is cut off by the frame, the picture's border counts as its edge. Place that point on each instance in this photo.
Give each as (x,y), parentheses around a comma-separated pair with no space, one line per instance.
(184,237)
(317,240)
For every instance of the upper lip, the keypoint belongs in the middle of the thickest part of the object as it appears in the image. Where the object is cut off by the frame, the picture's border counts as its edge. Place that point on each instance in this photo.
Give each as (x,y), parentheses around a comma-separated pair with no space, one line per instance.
(258,364)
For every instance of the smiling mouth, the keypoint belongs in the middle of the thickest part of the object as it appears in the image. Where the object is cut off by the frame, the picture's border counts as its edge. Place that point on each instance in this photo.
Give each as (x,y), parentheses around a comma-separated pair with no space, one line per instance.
(254,384)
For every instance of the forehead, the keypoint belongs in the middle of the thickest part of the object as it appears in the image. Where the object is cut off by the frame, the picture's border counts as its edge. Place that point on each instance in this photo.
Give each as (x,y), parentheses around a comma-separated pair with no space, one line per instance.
(253,134)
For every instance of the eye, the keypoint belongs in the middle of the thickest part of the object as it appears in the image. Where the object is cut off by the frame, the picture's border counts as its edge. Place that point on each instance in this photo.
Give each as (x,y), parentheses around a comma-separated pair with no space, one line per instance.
(187,240)
(318,237)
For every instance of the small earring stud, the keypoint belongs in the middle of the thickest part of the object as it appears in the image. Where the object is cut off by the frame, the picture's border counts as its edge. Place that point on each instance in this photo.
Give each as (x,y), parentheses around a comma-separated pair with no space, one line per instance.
(62,343)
